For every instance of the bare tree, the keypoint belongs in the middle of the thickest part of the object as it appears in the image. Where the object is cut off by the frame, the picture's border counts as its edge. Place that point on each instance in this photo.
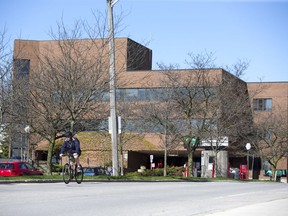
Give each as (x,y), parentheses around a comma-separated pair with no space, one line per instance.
(191,96)
(5,89)
(127,127)
(239,68)
(271,139)
(160,115)
(211,103)
(66,87)
(69,79)
(231,117)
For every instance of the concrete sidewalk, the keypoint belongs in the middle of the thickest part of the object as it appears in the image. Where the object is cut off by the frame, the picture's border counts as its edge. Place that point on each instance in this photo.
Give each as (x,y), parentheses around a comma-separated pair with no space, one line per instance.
(275,208)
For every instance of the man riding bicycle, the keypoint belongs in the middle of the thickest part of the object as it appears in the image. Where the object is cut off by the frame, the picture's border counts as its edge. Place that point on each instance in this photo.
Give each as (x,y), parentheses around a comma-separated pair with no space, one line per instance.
(72,146)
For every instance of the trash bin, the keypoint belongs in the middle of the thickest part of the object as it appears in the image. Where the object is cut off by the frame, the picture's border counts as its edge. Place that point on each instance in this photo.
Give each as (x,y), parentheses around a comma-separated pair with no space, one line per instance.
(278,175)
(236,173)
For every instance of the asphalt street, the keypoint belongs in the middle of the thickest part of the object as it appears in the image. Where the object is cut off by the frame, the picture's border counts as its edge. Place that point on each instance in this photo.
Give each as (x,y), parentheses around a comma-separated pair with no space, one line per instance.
(144,199)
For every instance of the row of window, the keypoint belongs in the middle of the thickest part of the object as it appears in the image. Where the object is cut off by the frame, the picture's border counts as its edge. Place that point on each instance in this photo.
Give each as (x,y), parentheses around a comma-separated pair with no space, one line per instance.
(22,68)
(142,94)
(148,94)
(140,126)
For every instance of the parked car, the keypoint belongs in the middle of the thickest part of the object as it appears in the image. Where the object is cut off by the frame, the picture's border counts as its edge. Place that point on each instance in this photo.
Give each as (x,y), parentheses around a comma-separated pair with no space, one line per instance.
(95,171)
(18,168)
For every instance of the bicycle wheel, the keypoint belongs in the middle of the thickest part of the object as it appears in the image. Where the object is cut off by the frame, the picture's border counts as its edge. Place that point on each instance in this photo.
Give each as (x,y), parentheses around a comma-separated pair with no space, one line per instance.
(79,174)
(66,173)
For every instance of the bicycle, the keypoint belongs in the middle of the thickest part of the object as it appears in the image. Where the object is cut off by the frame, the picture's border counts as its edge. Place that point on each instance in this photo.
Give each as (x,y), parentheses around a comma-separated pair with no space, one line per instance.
(70,171)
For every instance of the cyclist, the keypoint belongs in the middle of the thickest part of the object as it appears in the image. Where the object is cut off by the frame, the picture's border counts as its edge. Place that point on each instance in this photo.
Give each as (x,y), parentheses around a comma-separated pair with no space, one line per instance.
(72,146)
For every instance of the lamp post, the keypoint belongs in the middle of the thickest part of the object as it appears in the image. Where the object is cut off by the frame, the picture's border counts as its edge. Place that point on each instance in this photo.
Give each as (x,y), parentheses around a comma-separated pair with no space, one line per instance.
(248,147)
(113,115)
(27,130)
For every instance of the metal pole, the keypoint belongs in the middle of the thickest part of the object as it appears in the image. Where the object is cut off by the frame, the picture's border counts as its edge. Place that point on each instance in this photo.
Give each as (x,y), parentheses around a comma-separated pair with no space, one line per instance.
(287,169)
(248,147)
(247,165)
(27,131)
(112,89)
(252,166)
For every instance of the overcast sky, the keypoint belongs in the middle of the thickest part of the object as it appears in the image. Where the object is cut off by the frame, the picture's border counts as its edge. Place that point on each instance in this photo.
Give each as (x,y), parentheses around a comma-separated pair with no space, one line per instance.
(256,31)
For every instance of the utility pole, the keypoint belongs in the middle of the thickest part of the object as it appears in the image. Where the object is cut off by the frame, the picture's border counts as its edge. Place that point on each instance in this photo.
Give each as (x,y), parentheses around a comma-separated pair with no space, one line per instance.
(113,115)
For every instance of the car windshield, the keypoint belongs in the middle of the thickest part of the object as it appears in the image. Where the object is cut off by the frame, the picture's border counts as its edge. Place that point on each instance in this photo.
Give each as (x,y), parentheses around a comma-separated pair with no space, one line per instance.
(25,166)
(89,170)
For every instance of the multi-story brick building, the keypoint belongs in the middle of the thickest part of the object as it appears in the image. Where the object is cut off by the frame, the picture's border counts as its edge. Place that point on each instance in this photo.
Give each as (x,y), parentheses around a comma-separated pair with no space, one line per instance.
(137,83)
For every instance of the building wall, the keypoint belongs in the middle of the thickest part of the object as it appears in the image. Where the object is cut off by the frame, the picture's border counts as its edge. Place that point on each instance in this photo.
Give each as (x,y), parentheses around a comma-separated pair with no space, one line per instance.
(278,92)
(237,108)
(129,55)
(139,57)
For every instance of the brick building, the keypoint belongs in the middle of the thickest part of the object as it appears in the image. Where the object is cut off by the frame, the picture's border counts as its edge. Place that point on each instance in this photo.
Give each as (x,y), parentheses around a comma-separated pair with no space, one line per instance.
(137,83)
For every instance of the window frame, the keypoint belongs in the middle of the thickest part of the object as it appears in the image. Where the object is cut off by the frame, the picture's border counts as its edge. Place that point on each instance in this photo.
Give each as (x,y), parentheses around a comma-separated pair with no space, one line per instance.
(262,104)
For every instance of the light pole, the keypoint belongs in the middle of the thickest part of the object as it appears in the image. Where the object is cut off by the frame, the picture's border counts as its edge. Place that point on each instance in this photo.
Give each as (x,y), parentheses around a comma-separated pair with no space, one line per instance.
(113,115)
(27,130)
(248,147)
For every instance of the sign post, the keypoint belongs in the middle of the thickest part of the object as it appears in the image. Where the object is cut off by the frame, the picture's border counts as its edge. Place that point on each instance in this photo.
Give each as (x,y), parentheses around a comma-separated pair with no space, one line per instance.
(151,162)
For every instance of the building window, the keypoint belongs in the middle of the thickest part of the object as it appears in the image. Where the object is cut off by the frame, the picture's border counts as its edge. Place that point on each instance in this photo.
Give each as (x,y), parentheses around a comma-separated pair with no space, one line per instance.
(131,95)
(142,94)
(135,94)
(21,68)
(105,96)
(262,104)
(266,134)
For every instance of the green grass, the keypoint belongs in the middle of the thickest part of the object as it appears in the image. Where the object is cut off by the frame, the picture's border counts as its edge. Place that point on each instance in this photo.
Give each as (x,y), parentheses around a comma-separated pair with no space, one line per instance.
(57,177)
(129,177)
(34,177)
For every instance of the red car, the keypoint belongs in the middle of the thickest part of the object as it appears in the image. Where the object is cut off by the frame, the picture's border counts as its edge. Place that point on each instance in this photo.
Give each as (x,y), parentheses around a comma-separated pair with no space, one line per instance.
(18,168)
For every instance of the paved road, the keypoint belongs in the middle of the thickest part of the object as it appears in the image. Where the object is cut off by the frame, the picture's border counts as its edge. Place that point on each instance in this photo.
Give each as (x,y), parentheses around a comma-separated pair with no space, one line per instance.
(144,199)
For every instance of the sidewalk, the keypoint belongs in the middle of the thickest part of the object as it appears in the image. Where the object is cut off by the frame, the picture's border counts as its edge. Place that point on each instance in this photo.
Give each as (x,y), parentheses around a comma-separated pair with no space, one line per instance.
(275,208)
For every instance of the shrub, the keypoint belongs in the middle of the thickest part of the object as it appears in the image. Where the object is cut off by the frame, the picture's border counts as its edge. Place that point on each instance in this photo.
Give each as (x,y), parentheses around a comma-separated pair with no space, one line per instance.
(171,171)
(56,167)
(175,171)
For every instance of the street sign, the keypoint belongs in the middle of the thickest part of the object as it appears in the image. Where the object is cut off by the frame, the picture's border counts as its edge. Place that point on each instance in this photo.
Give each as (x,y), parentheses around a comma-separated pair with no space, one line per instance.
(193,141)
(189,141)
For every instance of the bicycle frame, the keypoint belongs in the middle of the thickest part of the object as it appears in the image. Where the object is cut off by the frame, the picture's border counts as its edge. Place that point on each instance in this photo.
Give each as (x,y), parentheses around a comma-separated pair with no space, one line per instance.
(70,170)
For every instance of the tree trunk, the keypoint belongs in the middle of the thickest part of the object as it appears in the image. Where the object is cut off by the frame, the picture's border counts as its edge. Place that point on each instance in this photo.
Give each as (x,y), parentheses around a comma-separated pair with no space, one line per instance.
(190,161)
(273,169)
(165,162)
(49,156)
(216,167)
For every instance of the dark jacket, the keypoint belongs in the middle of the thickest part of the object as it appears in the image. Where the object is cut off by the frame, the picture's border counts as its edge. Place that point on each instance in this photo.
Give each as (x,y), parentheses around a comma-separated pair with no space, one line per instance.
(71,147)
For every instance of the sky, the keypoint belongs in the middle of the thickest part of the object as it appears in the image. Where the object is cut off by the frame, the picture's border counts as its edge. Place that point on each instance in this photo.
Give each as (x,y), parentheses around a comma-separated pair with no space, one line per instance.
(249,30)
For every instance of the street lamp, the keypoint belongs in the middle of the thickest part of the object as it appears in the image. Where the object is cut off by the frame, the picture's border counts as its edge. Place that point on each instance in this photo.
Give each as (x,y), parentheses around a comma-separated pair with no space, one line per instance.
(248,147)
(27,130)
(113,114)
